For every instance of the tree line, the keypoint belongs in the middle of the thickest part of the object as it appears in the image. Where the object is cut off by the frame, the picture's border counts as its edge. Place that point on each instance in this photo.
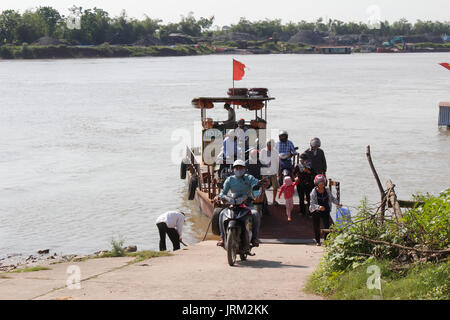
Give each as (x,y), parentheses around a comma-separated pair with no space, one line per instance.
(96,26)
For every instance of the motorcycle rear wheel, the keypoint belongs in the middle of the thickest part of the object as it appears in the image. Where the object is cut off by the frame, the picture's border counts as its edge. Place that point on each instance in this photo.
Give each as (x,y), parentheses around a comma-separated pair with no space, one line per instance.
(231,248)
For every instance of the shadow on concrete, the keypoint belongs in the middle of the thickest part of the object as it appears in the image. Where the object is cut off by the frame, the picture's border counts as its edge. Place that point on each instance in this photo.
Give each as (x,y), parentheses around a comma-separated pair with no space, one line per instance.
(261,264)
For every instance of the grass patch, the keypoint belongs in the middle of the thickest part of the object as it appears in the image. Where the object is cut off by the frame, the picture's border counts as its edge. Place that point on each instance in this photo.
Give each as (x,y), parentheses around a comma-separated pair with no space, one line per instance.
(147,254)
(31,269)
(139,256)
(119,251)
(424,281)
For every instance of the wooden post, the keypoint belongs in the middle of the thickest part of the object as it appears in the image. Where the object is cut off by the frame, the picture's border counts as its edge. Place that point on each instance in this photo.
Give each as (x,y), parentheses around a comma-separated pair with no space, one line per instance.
(209,181)
(338,191)
(214,186)
(392,199)
(380,187)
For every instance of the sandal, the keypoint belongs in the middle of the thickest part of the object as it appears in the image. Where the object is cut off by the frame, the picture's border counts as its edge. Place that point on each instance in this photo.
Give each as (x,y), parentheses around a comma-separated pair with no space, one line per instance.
(220,243)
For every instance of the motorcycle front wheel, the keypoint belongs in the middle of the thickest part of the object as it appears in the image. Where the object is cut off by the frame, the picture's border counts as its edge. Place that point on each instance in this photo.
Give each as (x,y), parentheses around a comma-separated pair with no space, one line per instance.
(231,247)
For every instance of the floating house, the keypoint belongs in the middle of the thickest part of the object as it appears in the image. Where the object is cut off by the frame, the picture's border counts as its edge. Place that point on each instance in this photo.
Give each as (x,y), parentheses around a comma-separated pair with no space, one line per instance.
(444,114)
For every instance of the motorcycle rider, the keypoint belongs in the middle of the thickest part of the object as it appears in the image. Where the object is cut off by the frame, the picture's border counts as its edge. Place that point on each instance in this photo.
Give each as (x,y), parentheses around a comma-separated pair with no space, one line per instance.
(240,184)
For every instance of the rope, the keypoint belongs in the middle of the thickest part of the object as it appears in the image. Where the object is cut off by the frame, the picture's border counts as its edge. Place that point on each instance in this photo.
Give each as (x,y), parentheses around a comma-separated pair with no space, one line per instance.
(207,229)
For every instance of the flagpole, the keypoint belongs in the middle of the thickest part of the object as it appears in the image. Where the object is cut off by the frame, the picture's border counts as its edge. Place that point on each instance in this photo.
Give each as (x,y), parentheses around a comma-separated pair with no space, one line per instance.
(232,75)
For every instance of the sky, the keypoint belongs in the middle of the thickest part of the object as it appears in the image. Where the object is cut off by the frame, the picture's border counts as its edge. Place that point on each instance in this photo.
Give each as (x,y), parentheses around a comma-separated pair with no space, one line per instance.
(227,12)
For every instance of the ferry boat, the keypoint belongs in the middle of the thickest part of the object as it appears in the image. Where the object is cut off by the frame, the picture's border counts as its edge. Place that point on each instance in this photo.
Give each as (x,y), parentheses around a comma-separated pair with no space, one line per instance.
(205,181)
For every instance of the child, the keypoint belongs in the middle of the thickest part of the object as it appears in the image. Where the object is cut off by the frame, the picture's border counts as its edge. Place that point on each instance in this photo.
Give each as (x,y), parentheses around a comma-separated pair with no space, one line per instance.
(288,189)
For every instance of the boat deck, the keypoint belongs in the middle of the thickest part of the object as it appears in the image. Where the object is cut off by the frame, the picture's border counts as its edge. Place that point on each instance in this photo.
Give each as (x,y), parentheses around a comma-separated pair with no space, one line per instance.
(276,229)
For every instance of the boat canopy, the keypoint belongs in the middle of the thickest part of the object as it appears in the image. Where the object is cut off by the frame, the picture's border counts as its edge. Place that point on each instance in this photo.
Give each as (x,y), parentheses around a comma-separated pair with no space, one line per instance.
(251,103)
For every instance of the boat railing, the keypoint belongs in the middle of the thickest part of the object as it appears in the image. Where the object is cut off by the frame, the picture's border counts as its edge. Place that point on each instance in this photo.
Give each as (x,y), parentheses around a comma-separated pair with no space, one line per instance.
(192,164)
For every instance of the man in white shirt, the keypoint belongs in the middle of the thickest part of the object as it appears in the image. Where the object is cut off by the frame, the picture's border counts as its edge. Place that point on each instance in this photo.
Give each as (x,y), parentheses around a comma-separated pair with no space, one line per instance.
(170,223)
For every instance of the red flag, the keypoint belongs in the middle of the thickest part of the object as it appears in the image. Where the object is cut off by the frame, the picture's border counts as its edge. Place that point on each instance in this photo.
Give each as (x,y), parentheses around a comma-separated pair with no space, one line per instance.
(445,65)
(238,70)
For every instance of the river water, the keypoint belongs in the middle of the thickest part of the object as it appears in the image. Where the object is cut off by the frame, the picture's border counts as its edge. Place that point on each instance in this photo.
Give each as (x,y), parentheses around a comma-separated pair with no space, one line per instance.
(85,145)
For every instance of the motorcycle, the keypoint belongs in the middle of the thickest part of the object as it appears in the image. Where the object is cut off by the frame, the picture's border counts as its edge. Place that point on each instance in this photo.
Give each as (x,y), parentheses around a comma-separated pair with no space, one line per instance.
(238,226)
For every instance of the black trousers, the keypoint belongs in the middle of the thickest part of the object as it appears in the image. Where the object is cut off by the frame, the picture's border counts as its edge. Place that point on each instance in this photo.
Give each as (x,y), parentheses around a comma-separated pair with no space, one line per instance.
(302,192)
(325,217)
(173,236)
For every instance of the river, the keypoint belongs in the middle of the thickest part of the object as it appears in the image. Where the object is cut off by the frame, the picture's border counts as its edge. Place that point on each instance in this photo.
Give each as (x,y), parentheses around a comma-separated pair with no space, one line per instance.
(85,151)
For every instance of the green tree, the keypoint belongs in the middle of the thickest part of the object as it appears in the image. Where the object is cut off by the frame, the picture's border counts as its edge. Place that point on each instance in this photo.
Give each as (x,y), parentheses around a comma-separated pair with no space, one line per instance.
(121,30)
(401,27)
(51,17)
(94,26)
(244,26)
(32,26)
(9,20)
(146,27)
(193,27)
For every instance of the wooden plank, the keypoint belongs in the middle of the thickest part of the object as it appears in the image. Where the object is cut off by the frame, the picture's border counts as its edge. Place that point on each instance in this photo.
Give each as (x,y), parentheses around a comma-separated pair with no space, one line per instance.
(392,199)
(408,204)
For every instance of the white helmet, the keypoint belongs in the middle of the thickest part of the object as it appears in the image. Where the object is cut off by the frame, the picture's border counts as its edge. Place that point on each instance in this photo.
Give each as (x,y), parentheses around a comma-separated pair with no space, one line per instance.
(253,153)
(230,133)
(283,133)
(239,163)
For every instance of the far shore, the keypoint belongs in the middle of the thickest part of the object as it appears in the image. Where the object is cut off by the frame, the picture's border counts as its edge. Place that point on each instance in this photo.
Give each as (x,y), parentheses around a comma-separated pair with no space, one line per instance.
(25,51)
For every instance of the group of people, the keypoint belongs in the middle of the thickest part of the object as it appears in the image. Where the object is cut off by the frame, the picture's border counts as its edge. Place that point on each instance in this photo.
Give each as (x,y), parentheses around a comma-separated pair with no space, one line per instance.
(308,176)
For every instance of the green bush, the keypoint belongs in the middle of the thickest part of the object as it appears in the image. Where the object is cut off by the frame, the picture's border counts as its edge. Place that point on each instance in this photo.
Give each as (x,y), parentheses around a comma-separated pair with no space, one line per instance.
(429,224)
(406,274)
(6,52)
(117,248)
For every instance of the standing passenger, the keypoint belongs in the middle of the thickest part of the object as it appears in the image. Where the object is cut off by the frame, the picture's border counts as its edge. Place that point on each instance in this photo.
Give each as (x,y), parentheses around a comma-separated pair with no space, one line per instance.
(320,207)
(286,150)
(305,177)
(317,157)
